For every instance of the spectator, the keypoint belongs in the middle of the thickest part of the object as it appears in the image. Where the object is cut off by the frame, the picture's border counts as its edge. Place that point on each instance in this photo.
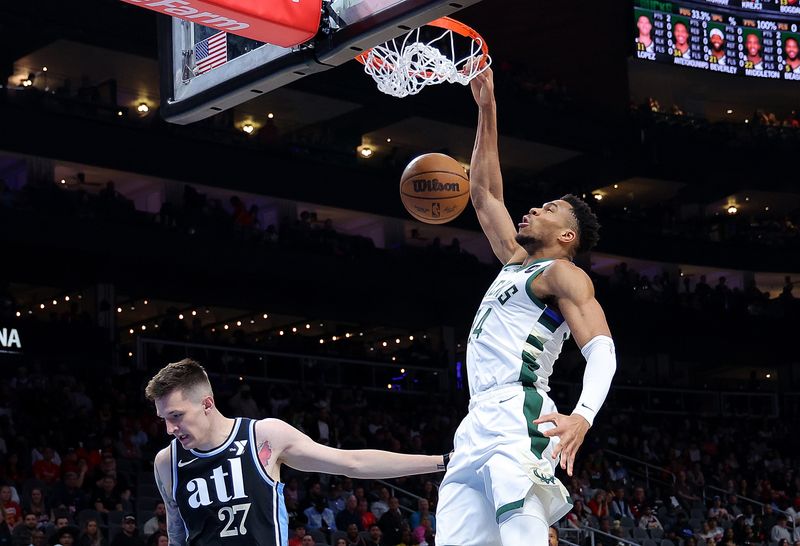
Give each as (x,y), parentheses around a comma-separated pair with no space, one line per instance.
(36,505)
(368,519)
(68,495)
(779,531)
(308,540)
(353,536)
(65,536)
(599,504)
(8,506)
(22,535)
(717,511)
(381,506)
(578,517)
(320,517)
(391,522)
(159,538)
(619,505)
(92,535)
(423,510)
(107,499)
(375,538)
(552,536)
(152,524)
(349,515)
(243,403)
(423,533)
(129,536)
(649,520)
(297,538)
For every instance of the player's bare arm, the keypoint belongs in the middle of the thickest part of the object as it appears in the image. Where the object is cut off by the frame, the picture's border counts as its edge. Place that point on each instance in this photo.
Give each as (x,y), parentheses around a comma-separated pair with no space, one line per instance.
(290,446)
(573,292)
(176,530)
(486,180)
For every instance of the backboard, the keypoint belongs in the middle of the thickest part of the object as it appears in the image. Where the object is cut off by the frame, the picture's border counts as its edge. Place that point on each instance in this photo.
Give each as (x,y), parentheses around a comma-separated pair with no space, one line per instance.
(205,71)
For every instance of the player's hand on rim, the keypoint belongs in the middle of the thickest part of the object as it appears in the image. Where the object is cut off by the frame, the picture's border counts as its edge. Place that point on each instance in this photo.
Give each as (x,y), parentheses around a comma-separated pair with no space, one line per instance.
(482,87)
(571,430)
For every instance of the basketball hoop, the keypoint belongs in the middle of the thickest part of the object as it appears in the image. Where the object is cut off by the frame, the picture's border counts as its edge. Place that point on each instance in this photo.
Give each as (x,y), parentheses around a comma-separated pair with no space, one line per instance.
(404,66)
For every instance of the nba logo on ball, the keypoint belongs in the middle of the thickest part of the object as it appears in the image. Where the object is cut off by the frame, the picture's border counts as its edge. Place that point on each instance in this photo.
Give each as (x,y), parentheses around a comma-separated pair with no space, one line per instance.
(434,188)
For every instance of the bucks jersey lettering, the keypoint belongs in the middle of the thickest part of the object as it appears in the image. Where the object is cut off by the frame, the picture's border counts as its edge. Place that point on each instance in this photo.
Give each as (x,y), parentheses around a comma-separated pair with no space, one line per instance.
(514,337)
(225,496)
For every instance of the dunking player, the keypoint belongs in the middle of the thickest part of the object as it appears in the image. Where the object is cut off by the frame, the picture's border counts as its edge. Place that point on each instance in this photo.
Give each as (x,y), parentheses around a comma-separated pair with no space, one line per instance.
(220,477)
(500,486)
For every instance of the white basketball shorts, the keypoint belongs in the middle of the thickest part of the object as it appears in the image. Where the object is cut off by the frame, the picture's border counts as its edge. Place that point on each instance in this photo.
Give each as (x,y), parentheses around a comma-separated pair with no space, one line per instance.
(500,458)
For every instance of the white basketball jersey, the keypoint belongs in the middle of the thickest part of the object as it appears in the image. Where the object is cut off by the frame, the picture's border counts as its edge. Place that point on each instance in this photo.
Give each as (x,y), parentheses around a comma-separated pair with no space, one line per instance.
(515,337)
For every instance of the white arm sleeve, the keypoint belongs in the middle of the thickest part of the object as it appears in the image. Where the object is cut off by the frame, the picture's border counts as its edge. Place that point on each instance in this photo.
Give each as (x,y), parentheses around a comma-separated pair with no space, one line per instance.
(601,363)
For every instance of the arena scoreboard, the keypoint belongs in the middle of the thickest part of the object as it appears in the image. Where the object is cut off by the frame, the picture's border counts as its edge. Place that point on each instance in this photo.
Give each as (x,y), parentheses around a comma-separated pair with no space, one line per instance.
(754,39)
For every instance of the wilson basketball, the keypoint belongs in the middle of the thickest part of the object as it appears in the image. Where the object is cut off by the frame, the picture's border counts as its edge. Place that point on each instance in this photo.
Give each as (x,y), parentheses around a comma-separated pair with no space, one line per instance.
(434,188)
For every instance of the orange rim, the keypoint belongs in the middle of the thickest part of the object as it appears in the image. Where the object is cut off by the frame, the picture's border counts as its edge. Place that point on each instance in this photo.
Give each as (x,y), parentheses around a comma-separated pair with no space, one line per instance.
(446,23)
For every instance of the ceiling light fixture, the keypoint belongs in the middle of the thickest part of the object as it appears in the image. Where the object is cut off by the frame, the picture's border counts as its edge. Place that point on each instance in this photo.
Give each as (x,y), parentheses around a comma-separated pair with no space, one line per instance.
(248,128)
(733,209)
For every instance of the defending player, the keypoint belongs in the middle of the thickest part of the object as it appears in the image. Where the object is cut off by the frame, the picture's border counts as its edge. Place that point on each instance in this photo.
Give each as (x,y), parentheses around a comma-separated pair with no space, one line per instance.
(500,486)
(220,477)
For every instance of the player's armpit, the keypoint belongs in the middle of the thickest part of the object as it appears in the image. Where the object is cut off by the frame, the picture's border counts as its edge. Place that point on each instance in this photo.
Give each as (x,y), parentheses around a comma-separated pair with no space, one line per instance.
(574,294)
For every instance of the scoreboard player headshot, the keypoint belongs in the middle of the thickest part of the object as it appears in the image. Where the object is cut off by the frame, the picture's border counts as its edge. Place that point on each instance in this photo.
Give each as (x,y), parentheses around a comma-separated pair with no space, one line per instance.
(791,54)
(644,26)
(752,47)
(680,37)
(717,52)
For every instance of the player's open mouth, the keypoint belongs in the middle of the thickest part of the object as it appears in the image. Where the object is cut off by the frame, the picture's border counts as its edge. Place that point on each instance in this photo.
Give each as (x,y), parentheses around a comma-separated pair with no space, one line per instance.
(524,222)
(183,437)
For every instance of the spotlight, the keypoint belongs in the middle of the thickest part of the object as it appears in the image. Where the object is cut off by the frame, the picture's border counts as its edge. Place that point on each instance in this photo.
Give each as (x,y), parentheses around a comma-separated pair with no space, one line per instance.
(19,314)
(142,108)
(66,298)
(119,309)
(598,196)
(308,326)
(63,181)
(144,327)
(280,333)
(225,327)
(729,111)
(238,323)
(321,341)
(294,329)
(365,151)
(410,338)
(733,209)
(55,302)
(194,313)
(41,306)
(270,115)
(130,331)
(248,128)
(384,344)
(266,315)
(119,113)
(44,69)
(402,370)
(130,353)
(389,139)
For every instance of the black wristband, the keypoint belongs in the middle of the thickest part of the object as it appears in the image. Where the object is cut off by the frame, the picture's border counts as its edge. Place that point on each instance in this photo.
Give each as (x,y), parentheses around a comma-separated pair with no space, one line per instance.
(446,460)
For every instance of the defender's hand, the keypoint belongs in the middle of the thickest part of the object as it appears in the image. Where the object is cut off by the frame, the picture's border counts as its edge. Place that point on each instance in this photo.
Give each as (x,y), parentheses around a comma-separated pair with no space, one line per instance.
(571,429)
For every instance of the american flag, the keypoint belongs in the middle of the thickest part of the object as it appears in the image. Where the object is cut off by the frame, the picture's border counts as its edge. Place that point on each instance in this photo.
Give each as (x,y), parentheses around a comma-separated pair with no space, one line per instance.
(211,52)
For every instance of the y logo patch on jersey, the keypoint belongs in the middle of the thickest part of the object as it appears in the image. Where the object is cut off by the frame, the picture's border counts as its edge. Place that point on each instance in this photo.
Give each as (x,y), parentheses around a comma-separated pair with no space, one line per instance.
(240,446)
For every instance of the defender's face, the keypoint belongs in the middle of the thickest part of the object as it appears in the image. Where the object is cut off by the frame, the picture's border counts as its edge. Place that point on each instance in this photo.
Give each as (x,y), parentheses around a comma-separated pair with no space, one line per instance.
(183,417)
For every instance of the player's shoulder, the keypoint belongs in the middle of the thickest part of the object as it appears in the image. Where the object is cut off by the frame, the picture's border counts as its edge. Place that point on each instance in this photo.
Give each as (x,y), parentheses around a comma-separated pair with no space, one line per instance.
(271,428)
(565,279)
(164,456)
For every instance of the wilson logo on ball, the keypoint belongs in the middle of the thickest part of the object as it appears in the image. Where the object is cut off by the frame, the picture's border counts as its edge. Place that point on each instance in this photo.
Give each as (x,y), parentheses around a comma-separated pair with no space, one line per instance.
(435,185)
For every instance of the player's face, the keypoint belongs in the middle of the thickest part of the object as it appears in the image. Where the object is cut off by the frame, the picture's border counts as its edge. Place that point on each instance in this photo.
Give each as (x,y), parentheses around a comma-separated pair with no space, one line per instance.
(791,49)
(753,45)
(717,42)
(681,34)
(543,223)
(184,417)
(644,25)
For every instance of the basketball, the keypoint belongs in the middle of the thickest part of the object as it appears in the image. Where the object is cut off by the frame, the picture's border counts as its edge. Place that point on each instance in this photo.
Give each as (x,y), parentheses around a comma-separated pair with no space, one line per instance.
(434,188)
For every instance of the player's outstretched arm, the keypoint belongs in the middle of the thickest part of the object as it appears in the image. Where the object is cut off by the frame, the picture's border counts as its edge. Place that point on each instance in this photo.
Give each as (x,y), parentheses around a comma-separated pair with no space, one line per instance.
(574,293)
(292,447)
(176,529)
(486,180)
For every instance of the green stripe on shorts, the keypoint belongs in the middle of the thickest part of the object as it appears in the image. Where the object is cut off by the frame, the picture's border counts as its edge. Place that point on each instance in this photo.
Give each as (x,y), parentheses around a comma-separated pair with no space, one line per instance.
(508,507)
(532,408)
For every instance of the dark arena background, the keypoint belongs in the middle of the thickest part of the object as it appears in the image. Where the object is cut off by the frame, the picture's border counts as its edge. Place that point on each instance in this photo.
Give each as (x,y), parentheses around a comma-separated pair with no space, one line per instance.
(268,241)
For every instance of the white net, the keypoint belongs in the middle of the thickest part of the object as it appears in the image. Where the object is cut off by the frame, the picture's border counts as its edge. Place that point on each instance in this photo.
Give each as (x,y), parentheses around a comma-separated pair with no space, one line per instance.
(403,67)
